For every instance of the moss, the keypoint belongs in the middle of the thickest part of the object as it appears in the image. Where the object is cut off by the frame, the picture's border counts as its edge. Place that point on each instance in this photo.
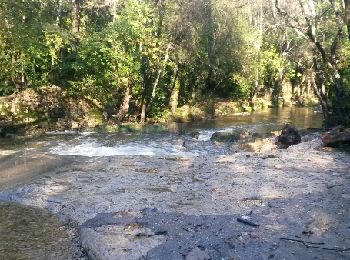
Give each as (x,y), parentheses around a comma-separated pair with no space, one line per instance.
(111,128)
(227,108)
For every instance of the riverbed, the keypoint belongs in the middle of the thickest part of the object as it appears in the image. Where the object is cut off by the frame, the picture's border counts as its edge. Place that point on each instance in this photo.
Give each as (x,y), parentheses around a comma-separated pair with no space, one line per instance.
(163,194)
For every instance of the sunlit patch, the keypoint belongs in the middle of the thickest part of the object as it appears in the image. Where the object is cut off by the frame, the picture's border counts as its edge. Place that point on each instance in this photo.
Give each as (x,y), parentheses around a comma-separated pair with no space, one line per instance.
(92,148)
(7,152)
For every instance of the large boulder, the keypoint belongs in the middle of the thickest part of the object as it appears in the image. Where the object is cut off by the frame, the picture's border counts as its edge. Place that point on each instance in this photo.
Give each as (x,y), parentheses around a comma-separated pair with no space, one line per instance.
(336,136)
(289,136)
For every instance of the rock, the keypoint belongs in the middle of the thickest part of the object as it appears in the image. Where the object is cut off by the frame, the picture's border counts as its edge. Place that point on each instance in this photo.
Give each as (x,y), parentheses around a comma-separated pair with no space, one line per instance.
(246,136)
(195,134)
(257,146)
(289,136)
(225,137)
(2,133)
(336,136)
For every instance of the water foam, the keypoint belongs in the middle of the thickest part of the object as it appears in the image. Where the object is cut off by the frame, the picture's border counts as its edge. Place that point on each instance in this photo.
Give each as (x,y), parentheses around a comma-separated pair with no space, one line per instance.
(92,148)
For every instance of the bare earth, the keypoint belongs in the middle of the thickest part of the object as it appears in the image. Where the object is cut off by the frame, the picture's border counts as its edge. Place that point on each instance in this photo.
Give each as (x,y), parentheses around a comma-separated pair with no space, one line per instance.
(143,207)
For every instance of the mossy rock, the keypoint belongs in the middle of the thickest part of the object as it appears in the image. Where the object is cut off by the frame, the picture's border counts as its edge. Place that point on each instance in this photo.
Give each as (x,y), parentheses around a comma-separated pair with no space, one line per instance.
(225,137)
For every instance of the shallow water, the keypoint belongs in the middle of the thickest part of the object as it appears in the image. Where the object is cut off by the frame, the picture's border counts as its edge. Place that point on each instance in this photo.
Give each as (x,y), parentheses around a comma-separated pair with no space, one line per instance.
(175,140)
(22,161)
(29,233)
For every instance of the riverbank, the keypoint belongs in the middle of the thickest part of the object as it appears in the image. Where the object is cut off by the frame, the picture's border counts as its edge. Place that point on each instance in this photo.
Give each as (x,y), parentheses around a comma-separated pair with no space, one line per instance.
(33,112)
(182,206)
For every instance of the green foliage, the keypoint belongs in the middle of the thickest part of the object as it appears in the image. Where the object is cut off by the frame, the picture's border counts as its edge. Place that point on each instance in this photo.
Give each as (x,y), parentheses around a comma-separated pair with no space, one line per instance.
(203,49)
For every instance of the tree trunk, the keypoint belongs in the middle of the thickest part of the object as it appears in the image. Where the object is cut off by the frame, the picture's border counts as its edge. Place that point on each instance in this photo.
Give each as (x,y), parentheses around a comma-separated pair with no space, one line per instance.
(160,71)
(59,12)
(113,5)
(209,35)
(347,16)
(75,16)
(124,107)
(144,84)
(174,98)
(143,112)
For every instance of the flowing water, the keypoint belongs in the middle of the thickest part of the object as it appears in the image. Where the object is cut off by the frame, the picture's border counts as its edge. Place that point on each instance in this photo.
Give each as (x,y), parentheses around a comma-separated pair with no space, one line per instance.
(21,161)
(27,233)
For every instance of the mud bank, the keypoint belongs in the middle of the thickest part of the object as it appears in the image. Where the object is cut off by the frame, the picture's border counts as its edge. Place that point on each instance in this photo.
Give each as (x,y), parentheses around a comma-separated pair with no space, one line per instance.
(186,207)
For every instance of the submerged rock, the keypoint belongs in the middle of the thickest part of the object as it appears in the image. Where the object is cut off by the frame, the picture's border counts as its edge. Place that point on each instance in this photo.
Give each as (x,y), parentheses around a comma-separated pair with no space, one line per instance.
(289,136)
(225,137)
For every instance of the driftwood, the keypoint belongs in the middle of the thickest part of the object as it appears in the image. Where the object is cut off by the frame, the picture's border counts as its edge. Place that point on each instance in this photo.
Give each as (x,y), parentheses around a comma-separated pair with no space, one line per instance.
(336,136)
(247,222)
(316,245)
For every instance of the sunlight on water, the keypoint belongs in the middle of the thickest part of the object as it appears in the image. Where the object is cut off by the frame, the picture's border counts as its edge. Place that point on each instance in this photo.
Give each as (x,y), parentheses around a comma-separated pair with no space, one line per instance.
(91,148)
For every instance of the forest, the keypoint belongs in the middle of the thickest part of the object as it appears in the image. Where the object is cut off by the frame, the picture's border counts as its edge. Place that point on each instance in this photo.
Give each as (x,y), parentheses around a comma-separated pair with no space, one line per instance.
(144,59)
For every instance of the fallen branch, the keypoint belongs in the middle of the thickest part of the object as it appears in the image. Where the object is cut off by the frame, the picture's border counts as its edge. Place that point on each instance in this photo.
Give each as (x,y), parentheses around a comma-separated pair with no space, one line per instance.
(247,222)
(314,245)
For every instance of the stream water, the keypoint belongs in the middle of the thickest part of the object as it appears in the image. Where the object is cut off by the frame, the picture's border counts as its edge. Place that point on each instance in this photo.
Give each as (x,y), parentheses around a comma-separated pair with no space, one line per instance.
(30,232)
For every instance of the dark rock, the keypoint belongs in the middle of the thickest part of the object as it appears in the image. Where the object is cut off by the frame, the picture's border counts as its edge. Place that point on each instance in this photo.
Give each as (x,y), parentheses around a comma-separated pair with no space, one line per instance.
(336,136)
(2,133)
(194,134)
(289,136)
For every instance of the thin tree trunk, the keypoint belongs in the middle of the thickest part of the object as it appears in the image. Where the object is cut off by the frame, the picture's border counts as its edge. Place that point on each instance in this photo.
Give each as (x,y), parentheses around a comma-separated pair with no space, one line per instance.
(59,12)
(160,71)
(174,98)
(143,112)
(347,16)
(144,84)
(124,107)
(209,31)
(75,16)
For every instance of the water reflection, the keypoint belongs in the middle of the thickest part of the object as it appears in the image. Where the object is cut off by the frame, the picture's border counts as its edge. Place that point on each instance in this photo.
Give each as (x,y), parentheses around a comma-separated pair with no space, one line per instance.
(300,117)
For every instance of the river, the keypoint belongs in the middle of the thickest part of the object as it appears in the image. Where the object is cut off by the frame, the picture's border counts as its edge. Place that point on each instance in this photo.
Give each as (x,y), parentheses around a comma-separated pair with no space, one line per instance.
(31,231)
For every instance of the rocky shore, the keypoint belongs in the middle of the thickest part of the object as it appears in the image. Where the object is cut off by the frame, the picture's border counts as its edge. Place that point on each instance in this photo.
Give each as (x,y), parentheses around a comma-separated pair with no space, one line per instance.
(291,203)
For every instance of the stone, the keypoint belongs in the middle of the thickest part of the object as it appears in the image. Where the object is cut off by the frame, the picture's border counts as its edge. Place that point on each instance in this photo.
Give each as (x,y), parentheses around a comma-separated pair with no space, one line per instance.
(289,136)
(195,134)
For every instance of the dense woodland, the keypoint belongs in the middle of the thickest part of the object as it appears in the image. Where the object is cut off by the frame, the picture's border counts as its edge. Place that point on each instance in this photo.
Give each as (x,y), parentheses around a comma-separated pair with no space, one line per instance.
(149,57)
